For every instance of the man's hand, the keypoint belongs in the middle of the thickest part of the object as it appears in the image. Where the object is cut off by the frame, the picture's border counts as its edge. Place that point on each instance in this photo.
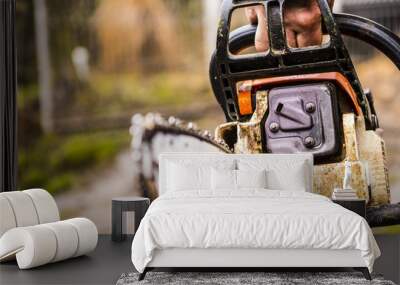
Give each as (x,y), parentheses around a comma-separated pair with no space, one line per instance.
(302,21)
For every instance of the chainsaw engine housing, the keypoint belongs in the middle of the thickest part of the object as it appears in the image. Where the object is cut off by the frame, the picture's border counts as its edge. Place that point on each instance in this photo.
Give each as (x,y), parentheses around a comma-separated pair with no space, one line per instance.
(302,119)
(303,100)
(287,100)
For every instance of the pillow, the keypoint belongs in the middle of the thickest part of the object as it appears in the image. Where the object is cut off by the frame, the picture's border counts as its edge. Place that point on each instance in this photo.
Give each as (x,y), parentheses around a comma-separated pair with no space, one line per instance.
(183,177)
(283,171)
(193,173)
(226,179)
(293,178)
(223,179)
(251,178)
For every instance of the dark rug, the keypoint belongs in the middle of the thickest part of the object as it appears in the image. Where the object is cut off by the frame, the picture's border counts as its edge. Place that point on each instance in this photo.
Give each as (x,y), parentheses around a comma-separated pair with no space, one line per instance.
(269,278)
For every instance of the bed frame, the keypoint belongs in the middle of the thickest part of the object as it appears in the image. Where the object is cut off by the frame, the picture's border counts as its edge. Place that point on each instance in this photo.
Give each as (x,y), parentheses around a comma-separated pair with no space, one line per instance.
(250,259)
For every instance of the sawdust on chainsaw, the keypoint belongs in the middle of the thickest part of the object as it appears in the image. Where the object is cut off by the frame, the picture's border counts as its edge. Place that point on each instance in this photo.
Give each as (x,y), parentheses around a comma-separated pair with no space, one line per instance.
(383,79)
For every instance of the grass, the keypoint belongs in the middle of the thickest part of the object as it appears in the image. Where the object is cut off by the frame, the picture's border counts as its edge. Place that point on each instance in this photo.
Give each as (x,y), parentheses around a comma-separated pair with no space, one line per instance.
(55,162)
(113,93)
(27,95)
(389,230)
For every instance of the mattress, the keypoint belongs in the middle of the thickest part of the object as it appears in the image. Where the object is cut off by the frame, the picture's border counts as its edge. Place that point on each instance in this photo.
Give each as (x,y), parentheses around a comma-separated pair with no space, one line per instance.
(250,219)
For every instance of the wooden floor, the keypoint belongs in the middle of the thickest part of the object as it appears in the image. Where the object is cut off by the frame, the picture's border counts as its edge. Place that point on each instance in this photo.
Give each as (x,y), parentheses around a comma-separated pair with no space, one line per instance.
(103,266)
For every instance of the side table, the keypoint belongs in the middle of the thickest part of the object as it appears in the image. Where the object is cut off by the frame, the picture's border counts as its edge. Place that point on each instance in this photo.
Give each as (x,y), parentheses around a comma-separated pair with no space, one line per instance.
(358,206)
(138,205)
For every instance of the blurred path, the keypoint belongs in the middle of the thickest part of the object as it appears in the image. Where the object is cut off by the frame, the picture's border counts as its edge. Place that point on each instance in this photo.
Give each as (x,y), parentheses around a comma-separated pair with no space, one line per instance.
(93,200)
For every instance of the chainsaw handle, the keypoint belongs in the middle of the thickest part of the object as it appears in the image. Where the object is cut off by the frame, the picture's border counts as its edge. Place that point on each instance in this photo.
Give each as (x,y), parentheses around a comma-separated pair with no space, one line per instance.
(226,70)
(372,33)
(356,27)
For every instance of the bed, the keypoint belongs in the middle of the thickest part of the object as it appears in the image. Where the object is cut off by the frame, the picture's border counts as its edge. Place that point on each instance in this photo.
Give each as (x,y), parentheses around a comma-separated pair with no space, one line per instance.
(247,211)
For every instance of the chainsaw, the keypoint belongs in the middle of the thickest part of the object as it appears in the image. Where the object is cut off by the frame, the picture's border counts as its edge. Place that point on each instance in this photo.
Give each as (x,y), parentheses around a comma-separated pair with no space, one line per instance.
(287,100)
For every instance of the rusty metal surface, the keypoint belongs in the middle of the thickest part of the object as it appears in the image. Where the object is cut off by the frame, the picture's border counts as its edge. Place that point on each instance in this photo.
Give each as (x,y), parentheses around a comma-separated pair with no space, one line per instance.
(366,152)
(247,138)
(364,149)
(330,176)
(372,150)
(350,137)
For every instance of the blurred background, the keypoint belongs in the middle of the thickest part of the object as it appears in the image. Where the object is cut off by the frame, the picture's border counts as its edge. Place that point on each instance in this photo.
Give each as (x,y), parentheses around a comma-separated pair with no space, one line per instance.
(86,66)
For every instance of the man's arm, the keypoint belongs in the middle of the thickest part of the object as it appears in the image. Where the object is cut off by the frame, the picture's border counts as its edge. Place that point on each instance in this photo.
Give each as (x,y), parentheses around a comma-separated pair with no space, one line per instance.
(302,19)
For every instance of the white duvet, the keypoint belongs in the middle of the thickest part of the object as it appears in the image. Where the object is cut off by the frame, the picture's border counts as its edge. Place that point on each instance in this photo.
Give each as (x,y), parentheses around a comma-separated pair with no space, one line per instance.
(255,218)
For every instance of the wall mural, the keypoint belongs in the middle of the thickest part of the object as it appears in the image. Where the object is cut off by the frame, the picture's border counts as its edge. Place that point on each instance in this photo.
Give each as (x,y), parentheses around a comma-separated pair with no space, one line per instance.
(287,101)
